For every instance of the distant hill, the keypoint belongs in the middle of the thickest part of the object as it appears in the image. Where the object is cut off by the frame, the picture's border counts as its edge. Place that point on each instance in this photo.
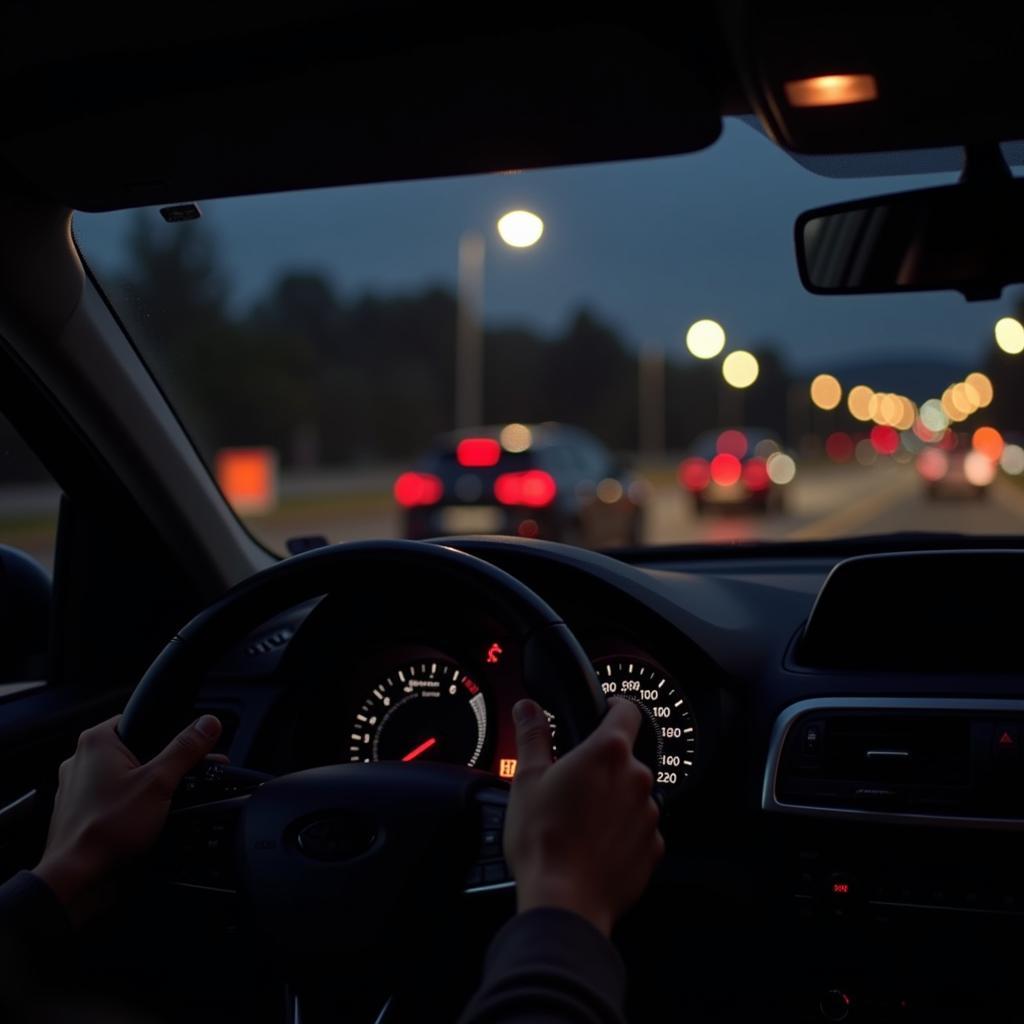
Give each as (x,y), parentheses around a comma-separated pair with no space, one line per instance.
(918,379)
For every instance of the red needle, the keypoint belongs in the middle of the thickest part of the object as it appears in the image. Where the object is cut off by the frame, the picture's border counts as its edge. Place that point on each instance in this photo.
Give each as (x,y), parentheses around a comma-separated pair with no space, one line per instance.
(425,745)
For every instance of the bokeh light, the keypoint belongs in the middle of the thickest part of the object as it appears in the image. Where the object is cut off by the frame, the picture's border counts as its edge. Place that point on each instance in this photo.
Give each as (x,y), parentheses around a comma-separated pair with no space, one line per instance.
(885,440)
(982,387)
(989,442)
(839,447)
(933,464)
(726,470)
(858,401)
(765,447)
(781,468)
(516,437)
(732,442)
(1012,460)
(520,228)
(979,469)
(705,339)
(933,416)
(740,369)
(826,391)
(865,453)
(1010,335)
(609,490)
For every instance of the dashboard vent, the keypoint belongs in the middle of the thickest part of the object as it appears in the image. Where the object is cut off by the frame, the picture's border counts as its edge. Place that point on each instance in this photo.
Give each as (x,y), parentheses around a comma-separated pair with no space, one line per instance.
(898,762)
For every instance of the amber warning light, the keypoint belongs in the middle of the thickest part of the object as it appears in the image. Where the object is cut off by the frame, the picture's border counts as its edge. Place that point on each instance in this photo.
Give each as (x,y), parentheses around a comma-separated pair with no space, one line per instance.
(507,767)
(831,90)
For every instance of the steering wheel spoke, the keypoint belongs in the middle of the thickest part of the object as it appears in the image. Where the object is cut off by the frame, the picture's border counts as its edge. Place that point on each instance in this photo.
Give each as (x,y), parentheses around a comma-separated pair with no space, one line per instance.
(489,872)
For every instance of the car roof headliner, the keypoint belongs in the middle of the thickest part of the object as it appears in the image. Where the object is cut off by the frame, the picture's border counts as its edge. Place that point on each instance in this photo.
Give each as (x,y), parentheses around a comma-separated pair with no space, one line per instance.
(127,111)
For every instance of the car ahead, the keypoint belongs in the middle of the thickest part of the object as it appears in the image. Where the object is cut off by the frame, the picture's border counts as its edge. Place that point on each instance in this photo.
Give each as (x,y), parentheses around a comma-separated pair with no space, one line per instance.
(738,468)
(955,468)
(550,481)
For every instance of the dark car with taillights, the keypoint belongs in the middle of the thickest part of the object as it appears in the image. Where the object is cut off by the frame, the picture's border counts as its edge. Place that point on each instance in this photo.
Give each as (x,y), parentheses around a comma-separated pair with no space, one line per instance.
(552,481)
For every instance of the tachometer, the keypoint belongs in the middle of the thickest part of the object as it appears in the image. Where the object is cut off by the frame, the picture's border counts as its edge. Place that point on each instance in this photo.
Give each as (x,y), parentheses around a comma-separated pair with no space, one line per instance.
(426,710)
(668,737)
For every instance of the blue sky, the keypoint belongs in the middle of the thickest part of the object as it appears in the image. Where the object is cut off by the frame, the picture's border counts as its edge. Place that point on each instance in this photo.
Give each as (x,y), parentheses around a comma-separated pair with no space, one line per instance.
(650,245)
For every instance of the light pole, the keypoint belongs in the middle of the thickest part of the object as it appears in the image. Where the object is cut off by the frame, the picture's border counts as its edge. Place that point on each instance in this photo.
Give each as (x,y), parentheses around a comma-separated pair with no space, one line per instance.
(519,229)
(651,399)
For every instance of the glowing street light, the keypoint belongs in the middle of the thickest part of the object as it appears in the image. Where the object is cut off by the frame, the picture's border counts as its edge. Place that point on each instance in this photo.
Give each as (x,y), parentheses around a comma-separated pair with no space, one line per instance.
(1010,335)
(740,369)
(705,339)
(520,228)
(826,391)
(859,402)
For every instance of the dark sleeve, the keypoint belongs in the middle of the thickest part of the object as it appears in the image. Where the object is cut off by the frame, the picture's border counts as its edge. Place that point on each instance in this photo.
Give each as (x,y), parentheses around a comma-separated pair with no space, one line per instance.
(549,966)
(34,933)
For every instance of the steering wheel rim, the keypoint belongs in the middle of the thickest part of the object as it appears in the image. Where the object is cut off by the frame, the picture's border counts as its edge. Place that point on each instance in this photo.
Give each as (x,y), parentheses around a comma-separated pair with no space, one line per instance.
(162,702)
(422,823)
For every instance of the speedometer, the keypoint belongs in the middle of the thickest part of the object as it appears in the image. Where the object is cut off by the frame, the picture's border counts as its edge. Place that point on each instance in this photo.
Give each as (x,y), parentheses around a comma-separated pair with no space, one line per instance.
(668,736)
(426,710)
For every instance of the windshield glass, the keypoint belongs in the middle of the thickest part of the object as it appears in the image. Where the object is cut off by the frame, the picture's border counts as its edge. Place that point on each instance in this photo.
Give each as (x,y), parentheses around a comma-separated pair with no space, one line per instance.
(629,359)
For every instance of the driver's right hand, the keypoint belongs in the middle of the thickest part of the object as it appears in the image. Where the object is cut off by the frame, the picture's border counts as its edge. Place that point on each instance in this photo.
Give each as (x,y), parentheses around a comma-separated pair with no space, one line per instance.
(582,833)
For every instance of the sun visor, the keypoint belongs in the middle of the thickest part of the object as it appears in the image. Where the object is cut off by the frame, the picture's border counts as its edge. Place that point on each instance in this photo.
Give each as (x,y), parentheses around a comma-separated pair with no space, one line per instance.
(385,94)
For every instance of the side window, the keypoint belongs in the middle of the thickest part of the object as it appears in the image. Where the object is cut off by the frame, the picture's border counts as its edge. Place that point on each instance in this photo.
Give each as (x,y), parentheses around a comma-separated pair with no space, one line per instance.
(29,505)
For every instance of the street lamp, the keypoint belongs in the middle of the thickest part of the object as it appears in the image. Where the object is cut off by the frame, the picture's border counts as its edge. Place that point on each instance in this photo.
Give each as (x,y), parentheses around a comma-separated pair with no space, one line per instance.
(519,229)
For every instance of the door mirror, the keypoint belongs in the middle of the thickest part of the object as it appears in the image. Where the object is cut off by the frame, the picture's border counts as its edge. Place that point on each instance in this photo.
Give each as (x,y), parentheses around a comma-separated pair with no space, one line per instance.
(967,238)
(25,599)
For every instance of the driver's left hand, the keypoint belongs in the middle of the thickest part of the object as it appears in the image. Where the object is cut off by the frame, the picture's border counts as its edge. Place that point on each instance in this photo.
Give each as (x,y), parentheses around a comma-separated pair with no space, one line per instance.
(109,808)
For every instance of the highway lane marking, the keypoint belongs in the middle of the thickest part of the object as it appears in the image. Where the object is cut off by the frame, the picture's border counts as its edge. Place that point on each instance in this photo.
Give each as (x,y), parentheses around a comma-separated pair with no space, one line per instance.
(845,520)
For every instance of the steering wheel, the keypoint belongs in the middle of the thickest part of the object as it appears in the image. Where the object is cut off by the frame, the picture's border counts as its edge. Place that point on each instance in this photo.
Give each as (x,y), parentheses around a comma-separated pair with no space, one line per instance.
(379,844)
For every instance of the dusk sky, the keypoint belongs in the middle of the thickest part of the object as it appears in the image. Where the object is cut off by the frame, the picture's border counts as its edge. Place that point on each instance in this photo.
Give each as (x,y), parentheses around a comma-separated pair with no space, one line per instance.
(649,245)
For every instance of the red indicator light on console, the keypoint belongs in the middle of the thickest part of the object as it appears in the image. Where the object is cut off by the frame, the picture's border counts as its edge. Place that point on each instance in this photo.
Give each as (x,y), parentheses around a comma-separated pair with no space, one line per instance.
(841,888)
(494,653)
(470,685)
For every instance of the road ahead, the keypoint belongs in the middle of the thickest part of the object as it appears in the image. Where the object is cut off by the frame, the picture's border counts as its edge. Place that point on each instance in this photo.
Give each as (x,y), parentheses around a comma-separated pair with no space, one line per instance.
(823,501)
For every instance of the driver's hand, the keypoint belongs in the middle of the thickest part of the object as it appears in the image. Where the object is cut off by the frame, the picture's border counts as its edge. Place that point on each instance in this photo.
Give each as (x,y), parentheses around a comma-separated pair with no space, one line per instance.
(582,833)
(109,808)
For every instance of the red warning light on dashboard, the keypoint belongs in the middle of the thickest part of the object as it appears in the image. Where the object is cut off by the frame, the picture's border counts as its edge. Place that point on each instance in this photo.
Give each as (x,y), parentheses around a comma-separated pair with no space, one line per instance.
(470,685)
(507,767)
(494,653)
(841,888)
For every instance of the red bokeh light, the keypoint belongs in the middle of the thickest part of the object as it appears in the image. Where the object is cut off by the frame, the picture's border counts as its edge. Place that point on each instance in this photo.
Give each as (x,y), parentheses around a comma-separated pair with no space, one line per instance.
(755,475)
(478,451)
(412,489)
(839,447)
(886,440)
(732,442)
(694,474)
(726,470)
(533,488)
(932,464)
(949,441)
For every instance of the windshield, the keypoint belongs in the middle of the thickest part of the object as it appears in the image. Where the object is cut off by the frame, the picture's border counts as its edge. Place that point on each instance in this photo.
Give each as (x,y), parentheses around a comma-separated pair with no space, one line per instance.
(628,359)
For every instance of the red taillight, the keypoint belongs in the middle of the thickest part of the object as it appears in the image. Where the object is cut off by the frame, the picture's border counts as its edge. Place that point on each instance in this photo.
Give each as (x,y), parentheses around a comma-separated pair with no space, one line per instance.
(533,488)
(885,440)
(839,447)
(732,442)
(755,475)
(478,451)
(412,489)
(726,470)
(694,474)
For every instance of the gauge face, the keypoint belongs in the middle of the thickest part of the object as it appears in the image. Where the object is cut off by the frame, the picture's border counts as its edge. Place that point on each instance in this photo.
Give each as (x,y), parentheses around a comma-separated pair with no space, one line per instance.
(426,710)
(668,736)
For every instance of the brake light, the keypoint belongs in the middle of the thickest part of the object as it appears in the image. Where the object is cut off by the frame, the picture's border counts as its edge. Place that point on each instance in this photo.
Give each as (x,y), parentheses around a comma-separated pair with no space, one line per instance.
(412,489)
(726,470)
(694,474)
(533,488)
(755,475)
(478,451)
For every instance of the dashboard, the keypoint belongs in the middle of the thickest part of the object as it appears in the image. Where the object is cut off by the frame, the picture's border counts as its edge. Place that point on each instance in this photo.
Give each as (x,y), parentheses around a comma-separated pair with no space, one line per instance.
(845,834)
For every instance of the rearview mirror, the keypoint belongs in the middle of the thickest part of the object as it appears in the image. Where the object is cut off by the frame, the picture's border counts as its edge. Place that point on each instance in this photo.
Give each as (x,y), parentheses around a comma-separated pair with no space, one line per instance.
(967,238)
